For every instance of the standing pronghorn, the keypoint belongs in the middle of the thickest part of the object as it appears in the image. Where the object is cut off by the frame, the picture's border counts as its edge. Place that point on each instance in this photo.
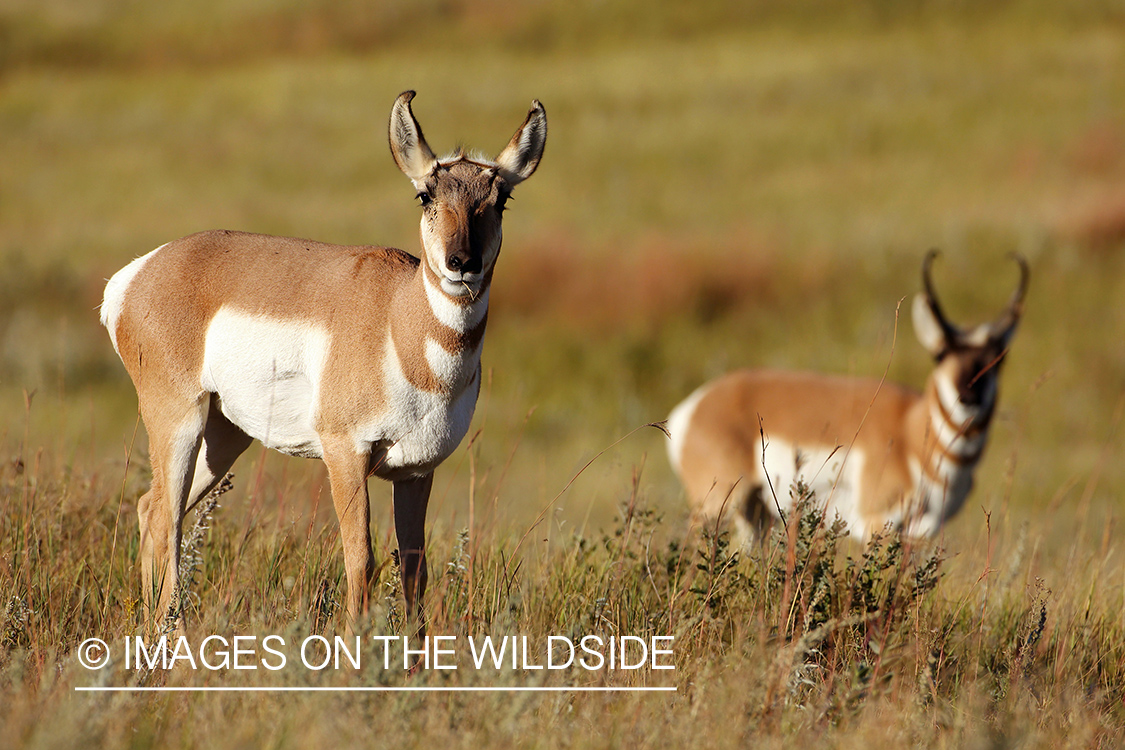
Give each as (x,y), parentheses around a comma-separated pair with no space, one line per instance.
(364,356)
(873,455)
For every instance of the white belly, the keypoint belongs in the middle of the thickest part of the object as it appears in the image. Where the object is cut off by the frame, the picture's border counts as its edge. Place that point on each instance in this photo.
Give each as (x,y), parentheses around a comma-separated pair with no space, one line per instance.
(267,375)
(835,482)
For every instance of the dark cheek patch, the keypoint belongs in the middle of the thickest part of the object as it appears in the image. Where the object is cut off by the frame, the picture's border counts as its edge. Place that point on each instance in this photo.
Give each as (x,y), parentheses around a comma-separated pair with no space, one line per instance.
(969,387)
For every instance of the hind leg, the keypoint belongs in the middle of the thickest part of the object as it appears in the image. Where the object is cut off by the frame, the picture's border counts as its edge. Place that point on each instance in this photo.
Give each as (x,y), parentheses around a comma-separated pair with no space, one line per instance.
(223,443)
(731,501)
(752,518)
(175,437)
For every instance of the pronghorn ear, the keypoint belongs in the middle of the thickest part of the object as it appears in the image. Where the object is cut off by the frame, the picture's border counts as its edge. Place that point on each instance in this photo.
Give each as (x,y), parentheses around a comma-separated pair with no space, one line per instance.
(408,146)
(521,156)
(927,327)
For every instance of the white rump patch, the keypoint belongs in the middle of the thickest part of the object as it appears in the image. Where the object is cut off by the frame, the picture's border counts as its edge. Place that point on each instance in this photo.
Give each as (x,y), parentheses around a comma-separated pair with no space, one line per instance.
(678,424)
(267,374)
(114,298)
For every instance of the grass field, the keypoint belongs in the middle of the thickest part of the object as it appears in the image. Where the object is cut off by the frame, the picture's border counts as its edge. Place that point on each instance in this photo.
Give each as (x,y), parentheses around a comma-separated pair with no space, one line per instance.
(730,185)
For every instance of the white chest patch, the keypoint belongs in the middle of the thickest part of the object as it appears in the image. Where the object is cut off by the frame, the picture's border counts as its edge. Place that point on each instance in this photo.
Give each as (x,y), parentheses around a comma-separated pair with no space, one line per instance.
(938,497)
(421,428)
(952,437)
(954,440)
(454,370)
(834,481)
(267,374)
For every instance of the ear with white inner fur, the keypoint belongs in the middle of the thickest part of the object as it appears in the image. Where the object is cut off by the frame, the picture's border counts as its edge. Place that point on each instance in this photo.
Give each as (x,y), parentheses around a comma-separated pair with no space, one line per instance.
(408,146)
(927,327)
(521,156)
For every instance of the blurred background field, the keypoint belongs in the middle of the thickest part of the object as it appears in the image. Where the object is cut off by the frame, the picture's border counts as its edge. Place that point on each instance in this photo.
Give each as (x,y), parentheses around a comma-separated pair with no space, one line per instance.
(725,185)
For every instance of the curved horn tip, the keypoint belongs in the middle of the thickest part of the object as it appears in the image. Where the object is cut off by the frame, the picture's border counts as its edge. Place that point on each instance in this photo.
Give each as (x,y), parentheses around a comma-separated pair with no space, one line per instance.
(406,96)
(1025,277)
(951,331)
(927,265)
(928,262)
(1025,268)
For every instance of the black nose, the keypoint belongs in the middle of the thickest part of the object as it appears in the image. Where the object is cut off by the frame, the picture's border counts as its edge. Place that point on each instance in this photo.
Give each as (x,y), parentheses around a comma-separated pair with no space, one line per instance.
(972,387)
(464,263)
(972,396)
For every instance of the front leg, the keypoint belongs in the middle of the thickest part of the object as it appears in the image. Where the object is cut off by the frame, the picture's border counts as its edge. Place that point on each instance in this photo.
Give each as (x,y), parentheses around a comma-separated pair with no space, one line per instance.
(411,497)
(347,473)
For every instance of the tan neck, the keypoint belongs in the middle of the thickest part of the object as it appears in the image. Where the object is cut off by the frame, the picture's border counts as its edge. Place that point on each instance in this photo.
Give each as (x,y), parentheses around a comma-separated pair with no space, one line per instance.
(437,337)
(947,435)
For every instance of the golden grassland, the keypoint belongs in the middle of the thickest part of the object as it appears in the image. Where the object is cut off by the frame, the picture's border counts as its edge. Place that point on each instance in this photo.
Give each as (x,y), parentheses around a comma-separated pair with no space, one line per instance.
(730,186)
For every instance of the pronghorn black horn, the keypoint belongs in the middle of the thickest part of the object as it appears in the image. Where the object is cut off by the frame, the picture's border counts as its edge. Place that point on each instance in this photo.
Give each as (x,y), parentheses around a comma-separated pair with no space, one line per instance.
(947,328)
(1012,313)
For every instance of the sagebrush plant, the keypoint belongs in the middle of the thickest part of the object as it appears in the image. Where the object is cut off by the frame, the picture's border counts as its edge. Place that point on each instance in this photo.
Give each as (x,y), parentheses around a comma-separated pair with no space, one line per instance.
(191,557)
(835,622)
(804,632)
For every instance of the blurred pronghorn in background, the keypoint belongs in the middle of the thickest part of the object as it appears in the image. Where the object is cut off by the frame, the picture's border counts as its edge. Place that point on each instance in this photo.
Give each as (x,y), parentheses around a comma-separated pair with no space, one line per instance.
(873,453)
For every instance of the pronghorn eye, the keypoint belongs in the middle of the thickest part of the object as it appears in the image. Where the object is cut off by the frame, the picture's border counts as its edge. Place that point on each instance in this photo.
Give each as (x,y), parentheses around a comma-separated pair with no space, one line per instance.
(502,201)
(424,198)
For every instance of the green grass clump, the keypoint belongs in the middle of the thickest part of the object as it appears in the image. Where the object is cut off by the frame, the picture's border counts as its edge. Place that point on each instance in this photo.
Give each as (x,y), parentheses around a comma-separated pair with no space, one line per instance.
(806,636)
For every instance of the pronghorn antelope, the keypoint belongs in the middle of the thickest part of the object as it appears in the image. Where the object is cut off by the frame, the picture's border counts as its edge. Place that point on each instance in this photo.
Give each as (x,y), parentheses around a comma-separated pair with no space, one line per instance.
(872,455)
(364,356)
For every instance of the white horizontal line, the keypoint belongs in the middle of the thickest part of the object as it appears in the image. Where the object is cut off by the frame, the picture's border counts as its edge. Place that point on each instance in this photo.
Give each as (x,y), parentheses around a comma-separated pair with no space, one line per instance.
(419,689)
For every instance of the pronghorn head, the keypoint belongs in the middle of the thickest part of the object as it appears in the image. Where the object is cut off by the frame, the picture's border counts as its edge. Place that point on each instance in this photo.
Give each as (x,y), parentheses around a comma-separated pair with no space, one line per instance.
(463,198)
(968,361)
